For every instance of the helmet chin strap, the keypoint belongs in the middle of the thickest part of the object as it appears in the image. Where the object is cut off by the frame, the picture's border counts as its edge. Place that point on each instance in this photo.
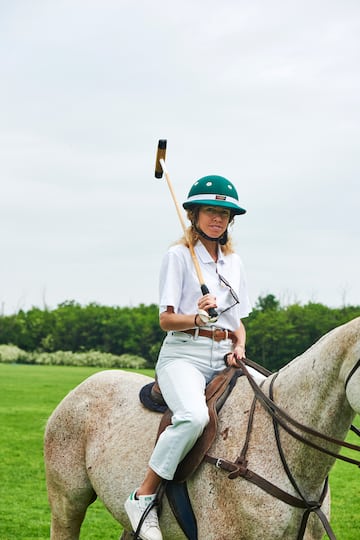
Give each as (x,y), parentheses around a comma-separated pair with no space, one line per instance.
(221,239)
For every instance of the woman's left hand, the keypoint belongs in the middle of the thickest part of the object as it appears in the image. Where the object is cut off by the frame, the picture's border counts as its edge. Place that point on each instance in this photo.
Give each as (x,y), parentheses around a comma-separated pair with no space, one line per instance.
(237,354)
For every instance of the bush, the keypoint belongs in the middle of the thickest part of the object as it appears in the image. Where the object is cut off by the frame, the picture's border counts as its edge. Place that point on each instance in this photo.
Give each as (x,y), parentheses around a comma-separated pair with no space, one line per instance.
(89,359)
(10,354)
(132,337)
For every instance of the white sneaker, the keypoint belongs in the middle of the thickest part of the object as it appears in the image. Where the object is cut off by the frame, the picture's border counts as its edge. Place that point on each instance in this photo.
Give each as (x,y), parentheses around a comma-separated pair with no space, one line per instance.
(135,508)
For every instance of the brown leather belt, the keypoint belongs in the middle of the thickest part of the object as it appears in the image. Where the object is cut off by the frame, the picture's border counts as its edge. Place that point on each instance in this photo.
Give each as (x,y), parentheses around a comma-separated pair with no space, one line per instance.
(217,334)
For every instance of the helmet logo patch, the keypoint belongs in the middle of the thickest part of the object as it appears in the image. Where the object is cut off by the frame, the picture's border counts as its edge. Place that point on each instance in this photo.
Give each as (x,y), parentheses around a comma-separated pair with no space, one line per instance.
(220,197)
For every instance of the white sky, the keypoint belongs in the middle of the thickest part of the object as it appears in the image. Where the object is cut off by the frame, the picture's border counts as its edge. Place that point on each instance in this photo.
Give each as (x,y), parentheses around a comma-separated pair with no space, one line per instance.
(264,93)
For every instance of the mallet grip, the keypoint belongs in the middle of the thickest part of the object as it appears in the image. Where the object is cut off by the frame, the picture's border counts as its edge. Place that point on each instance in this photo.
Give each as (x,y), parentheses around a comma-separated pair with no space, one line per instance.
(160,155)
(211,311)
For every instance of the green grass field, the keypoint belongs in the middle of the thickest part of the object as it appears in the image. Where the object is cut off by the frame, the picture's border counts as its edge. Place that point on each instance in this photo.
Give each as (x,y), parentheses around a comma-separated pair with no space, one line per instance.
(28,394)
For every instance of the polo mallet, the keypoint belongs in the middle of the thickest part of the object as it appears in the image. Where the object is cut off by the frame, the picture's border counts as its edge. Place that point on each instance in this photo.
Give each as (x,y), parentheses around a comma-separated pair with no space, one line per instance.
(160,168)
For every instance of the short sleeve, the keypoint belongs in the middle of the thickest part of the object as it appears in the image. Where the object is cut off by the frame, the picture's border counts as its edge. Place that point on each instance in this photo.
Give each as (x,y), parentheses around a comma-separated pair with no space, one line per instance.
(170,281)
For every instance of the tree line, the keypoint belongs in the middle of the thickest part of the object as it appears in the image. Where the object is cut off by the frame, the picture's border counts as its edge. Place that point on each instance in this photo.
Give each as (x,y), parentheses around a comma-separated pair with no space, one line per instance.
(275,334)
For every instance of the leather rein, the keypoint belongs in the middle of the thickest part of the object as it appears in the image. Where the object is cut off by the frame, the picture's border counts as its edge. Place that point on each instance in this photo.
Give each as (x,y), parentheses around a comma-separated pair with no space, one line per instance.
(281,418)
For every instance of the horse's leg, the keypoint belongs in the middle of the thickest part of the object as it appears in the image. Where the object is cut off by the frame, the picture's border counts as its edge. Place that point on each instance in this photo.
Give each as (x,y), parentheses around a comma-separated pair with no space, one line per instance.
(69,489)
(68,511)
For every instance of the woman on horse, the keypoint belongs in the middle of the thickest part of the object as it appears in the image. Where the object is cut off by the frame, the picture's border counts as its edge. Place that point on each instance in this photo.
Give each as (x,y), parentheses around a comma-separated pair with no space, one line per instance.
(196,344)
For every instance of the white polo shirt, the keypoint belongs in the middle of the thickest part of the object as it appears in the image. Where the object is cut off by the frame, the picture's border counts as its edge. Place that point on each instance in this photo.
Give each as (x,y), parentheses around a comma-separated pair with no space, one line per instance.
(179,285)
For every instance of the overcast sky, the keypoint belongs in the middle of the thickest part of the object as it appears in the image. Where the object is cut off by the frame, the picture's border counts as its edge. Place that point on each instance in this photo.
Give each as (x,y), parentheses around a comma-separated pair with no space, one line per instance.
(266,93)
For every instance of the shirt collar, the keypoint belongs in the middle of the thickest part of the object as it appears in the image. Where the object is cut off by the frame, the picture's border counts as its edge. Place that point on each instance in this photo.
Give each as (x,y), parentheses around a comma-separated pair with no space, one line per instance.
(205,257)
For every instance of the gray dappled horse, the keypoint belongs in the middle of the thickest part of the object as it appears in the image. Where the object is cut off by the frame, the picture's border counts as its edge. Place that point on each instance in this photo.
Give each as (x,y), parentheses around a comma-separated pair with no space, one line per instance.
(99,439)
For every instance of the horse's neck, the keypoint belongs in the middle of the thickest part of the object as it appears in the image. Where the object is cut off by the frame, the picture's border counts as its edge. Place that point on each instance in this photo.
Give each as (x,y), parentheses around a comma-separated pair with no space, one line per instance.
(310,389)
(312,392)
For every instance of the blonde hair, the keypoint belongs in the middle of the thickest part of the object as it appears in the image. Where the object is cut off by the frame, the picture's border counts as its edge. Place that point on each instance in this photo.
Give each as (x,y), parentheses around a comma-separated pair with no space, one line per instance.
(192,236)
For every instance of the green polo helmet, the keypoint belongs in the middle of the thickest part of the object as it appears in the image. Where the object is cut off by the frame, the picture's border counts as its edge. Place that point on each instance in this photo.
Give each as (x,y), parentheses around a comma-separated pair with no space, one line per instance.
(214,190)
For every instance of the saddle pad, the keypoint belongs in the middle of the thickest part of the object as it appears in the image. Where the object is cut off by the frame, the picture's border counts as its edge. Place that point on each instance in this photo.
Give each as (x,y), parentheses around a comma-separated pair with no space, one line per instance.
(147,400)
(146,396)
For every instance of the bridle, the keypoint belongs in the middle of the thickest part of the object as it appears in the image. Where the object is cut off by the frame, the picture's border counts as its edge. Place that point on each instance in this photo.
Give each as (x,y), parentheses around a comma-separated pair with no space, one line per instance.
(352,372)
(281,418)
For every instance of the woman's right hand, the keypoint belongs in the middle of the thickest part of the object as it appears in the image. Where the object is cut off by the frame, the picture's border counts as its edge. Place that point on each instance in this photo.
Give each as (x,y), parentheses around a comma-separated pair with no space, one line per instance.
(206,302)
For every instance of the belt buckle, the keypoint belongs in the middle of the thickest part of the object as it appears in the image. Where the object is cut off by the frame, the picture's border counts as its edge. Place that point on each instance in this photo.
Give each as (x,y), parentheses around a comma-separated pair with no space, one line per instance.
(215,335)
(220,334)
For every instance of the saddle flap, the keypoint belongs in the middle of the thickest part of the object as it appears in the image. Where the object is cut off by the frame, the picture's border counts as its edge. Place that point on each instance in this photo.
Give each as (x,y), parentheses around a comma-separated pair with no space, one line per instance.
(216,393)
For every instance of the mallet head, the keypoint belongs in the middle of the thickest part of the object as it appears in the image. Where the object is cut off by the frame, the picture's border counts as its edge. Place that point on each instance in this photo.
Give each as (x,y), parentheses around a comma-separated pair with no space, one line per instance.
(160,155)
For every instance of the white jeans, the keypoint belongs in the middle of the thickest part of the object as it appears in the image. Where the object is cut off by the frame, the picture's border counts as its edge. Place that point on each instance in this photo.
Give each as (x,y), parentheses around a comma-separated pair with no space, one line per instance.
(185,365)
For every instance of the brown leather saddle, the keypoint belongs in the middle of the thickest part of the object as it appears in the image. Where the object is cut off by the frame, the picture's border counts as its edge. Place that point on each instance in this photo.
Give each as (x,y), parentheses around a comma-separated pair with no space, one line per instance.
(216,393)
